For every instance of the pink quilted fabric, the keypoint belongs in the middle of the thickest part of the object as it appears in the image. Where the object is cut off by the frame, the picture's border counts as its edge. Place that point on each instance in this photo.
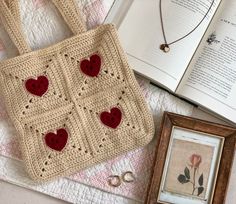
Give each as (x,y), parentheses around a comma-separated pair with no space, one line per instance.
(138,161)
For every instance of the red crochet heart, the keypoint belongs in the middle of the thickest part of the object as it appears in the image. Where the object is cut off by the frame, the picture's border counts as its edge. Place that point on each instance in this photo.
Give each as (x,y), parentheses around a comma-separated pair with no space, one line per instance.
(56,141)
(37,86)
(92,66)
(111,119)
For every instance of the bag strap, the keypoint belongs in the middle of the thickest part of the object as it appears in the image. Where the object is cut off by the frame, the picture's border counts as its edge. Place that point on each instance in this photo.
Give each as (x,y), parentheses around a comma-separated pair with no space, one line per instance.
(71,14)
(13,28)
(68,9)
(13,5)
(10,18)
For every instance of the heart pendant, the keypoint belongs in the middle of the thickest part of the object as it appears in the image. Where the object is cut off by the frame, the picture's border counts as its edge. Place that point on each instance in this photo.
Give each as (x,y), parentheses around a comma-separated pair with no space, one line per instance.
(165,48)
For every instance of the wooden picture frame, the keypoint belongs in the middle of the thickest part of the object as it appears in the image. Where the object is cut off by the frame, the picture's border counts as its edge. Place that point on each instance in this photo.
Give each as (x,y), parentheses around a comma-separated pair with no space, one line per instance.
(218,144)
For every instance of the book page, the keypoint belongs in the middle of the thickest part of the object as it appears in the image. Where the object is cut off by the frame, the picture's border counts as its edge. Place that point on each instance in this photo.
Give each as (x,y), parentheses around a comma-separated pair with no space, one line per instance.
(211,77)
(141,36)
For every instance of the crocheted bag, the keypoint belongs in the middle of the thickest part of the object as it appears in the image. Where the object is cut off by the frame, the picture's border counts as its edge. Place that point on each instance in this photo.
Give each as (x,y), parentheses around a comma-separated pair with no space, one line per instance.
(73,104)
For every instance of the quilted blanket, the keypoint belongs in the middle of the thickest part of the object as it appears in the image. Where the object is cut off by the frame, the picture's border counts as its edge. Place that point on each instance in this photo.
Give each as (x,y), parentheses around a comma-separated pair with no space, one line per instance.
(43,27)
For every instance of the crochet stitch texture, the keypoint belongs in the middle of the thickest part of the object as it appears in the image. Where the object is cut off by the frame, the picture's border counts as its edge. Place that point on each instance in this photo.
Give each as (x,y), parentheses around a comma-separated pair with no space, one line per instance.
(79,119)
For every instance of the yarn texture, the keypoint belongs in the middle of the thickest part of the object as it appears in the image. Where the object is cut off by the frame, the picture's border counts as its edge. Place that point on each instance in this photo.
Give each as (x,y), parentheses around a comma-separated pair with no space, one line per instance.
(74,104)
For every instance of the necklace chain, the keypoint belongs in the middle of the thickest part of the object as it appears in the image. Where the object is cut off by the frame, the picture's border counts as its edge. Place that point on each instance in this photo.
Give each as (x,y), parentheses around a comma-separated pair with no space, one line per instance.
(165,47)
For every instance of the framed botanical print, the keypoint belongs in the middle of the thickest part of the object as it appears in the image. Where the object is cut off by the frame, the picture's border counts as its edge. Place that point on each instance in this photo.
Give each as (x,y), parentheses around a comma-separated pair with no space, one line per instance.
(192,163)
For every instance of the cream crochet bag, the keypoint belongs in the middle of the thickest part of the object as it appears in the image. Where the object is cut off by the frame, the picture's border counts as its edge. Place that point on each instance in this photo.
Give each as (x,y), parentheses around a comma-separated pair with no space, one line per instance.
(73,104)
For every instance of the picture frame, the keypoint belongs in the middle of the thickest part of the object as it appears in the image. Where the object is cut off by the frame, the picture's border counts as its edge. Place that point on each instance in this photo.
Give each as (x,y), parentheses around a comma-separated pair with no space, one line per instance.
(193,161)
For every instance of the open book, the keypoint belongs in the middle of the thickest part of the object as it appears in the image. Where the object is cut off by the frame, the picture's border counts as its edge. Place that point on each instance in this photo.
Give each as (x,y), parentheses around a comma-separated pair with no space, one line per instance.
(202,66)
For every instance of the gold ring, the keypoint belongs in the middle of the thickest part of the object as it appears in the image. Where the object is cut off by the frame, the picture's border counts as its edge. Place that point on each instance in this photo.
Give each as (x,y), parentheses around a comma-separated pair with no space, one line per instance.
(128,177)
(114,181)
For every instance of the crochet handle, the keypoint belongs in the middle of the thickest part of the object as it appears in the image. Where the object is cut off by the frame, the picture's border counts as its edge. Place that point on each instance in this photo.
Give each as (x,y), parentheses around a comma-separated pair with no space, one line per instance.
(14,7)
(10,18)
(70,12)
